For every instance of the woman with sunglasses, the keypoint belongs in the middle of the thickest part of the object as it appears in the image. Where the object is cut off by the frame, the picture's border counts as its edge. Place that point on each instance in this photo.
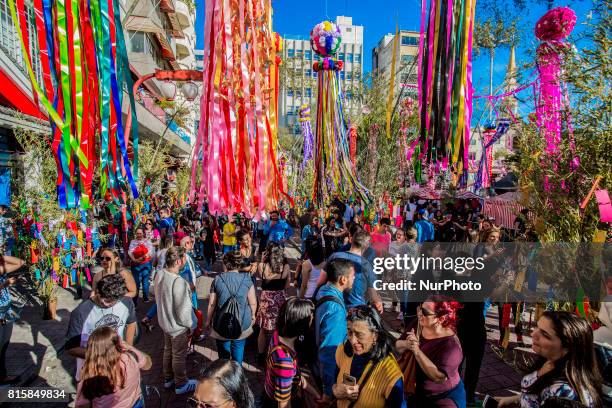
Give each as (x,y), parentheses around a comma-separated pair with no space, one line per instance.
(223,384)
(433,344)
(110,264)
(152,233)
(368,374)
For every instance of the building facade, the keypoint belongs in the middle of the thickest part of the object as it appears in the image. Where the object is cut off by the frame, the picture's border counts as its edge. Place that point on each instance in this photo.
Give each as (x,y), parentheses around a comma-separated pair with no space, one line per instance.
(406,64)
(299,81)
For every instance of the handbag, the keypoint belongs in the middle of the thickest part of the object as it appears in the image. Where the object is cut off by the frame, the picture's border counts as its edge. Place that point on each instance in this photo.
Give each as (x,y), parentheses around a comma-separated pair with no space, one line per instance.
(407,364)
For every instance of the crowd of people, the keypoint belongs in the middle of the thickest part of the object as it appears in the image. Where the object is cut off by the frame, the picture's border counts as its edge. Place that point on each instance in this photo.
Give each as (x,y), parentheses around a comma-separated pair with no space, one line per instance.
(328,343)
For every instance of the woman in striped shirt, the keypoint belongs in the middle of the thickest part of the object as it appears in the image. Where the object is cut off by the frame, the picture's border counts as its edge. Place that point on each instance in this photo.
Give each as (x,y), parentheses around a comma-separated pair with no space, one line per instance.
(285,385)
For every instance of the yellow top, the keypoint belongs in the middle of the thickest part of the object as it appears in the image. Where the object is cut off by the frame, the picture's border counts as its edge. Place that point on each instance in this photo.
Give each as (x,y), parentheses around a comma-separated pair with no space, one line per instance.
(379,385)
(229,229)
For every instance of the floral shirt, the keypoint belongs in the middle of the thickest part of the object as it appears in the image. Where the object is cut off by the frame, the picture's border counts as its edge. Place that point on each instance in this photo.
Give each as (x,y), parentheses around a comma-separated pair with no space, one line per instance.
(560,389)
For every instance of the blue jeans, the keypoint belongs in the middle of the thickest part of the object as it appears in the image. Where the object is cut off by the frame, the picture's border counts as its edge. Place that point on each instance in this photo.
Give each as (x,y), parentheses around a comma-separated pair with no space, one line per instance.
(228,248)
(141,274)
(231,349)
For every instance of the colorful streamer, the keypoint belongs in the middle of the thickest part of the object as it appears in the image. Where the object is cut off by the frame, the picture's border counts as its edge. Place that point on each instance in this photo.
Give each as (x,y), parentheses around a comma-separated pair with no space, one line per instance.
(304,119)
(552,29)
(333,170)
(85,67)
(445,88)
(235,156)
(483,177)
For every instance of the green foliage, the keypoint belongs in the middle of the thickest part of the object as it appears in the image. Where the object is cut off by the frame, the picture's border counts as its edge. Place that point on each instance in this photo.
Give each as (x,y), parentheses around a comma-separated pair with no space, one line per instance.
(154,161)
(557,212)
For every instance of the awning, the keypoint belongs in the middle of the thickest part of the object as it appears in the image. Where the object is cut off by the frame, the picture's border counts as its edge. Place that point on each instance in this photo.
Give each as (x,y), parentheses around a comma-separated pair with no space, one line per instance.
(166,49)
(175,27)
(139,23)
(166,6)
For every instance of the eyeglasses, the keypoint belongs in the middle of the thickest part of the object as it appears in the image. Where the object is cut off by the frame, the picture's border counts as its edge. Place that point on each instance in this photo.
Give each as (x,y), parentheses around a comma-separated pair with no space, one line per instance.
(194,403)
(425,312)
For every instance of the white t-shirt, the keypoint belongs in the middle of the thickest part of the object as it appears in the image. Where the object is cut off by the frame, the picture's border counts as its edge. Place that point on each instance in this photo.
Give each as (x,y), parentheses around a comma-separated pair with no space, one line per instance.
(88,316)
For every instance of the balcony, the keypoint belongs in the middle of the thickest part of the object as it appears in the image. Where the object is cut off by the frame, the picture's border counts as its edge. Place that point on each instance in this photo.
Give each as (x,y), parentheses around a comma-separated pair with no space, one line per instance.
(183,49)
(184,14)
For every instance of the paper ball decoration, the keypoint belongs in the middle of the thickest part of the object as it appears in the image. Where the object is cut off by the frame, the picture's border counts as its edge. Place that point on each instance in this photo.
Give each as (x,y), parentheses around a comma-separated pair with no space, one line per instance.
(325,38)
(556,24)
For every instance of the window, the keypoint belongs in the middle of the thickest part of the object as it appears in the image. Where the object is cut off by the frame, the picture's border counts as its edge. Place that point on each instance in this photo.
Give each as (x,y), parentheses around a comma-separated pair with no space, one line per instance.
(472,140)
(298,53)
(199,57)
(298,94)
(308,54)
(410,40)
(358,58)
(137,42)
(289,111)
(309,92)
(341,74)
(314,74)
(291,53)
(349,75)
(349,57)
(349,29)
(308,73)
(341,56)
(349,95)
(407,58)
(289,92)
(472,156)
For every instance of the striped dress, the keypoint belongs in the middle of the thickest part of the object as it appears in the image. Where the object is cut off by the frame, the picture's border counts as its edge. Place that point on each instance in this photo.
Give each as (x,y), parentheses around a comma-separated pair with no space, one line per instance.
(282,373)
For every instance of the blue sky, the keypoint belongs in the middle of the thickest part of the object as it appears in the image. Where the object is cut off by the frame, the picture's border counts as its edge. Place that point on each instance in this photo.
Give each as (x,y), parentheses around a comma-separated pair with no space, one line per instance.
(293,17)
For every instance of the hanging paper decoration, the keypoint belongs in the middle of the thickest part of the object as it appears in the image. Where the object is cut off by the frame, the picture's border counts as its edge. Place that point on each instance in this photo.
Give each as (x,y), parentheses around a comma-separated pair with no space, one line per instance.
(552,29)
(304,118)
(235,162)
(334,173)
(353,145)
(445,83)
(85,68)
(483,176)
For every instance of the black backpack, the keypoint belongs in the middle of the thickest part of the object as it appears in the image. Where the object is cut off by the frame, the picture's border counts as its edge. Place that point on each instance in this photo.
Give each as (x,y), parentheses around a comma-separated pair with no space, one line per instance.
(227,320)
(306,345)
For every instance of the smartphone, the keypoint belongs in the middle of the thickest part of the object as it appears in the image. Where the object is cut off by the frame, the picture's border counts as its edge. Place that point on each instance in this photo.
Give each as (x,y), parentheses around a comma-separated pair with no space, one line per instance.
(489,402)
(349,380)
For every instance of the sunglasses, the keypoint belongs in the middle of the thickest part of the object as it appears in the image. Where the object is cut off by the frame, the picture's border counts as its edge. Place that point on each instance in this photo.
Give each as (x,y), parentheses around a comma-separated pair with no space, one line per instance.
(425,312)
(107,258)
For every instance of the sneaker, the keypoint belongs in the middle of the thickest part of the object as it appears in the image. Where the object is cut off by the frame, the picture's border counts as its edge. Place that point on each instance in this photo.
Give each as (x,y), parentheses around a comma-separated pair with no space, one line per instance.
(169,383)
(189,386)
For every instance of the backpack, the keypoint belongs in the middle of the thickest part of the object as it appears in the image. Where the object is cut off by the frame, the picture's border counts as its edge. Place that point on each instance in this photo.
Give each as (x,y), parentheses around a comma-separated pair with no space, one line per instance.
(306,345)
(227,320)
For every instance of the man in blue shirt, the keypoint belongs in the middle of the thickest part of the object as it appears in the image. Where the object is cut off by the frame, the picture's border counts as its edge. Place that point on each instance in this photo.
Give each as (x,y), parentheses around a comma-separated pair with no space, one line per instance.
(277,230)
(425,229)
(364,274)
(330,320)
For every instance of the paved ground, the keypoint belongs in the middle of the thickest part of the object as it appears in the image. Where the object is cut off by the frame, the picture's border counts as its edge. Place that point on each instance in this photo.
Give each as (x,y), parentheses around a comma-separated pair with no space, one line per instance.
(36,353)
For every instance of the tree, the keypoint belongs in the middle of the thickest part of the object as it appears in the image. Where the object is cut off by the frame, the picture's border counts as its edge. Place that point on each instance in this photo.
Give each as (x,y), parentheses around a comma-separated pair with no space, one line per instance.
(588,74)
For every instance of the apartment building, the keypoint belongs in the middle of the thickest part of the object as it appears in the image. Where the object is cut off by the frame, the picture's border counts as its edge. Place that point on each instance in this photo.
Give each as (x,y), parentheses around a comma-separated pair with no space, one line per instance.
(406,63)
(299,82)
